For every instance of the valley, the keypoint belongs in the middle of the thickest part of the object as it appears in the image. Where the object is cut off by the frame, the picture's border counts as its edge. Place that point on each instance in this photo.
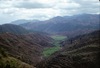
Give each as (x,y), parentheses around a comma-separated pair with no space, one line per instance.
(56,45)
(60,42)
(79,52)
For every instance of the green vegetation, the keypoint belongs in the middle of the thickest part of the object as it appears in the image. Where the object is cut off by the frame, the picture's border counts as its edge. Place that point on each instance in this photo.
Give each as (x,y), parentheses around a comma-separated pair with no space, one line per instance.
(10,62)
(5,61)
(58,37)
(83,52)
(49,51)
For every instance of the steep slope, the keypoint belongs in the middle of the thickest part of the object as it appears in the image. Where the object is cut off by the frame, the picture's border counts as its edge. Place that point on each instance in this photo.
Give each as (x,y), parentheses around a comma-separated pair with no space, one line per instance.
(67,25)
(6,61)
(26,48)
(15,29)
(78,52)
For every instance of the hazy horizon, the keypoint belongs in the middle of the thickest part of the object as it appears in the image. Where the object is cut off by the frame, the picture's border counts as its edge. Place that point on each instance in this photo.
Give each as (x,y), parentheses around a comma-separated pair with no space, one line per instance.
(12,10)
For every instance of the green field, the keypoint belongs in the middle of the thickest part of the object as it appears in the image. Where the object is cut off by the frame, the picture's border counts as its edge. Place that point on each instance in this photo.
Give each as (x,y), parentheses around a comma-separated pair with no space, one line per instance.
(49,51)
(58,37)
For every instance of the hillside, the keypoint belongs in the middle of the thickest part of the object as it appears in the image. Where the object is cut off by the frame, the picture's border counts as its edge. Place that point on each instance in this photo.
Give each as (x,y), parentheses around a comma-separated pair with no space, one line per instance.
(59,42)
(78,52)
(6,61)
(27,48)
(15,29)
(67,25)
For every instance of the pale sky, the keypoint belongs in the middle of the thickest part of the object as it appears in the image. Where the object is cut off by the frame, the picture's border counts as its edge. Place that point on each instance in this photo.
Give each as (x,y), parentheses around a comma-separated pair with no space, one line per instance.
(11,10)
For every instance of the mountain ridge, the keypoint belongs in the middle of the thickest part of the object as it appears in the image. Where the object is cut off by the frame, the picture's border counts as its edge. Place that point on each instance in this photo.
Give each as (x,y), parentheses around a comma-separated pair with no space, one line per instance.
(67,25)
(15,29)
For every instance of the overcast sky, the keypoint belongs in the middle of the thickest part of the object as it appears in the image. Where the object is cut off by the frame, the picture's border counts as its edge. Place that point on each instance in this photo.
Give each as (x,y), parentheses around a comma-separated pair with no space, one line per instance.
(11,10)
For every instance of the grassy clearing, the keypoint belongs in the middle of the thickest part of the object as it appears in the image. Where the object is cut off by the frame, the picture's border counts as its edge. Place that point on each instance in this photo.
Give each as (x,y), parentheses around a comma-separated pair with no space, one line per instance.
(48,51)
(58,37)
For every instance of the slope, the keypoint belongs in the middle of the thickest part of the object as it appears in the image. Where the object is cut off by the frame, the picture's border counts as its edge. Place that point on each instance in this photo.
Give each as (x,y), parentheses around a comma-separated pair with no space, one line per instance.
(26,48)
(15,29)
(6,61)
(79,52)
(67,25)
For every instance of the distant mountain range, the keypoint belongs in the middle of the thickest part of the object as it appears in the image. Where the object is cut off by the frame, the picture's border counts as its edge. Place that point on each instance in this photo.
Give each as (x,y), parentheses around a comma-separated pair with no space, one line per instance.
(22,21)
(67,25)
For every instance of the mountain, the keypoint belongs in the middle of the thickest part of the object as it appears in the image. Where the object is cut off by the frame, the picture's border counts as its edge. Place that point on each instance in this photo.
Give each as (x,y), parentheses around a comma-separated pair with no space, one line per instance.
(26,48)
(67,25)
(19,47)
(26,44)
(79,52)
(15,29)
(23,21)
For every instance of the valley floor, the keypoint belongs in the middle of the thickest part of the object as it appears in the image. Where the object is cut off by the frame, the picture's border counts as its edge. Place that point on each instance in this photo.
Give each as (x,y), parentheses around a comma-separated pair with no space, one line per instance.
(56,45)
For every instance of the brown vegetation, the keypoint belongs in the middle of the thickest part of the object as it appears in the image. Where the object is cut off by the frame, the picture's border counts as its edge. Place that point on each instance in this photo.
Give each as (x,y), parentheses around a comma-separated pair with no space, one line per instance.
(27,47)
